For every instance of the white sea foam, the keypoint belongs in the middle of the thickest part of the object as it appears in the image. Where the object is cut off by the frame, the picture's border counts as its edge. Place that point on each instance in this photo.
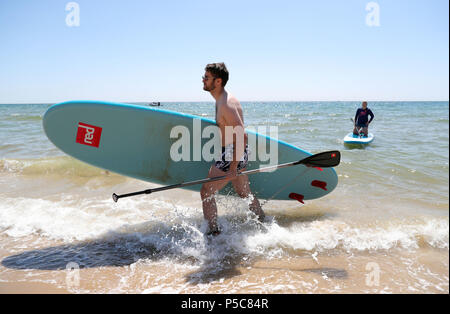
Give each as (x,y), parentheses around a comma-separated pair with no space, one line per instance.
(178,230)
(328,234)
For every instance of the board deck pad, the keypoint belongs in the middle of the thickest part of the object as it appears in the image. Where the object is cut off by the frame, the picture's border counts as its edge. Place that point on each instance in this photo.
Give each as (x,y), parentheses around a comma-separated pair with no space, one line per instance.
(135,141)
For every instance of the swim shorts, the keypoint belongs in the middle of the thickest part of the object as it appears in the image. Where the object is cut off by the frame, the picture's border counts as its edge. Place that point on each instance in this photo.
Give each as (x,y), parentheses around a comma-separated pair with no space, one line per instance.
(227,156)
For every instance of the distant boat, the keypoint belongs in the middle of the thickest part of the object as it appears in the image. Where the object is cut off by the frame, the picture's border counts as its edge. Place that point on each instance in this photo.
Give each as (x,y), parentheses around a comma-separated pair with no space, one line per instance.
(155,104)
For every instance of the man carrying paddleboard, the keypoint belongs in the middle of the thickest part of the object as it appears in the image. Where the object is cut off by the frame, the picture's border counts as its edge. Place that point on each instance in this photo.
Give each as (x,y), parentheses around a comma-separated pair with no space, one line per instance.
(229,117)
(362,119)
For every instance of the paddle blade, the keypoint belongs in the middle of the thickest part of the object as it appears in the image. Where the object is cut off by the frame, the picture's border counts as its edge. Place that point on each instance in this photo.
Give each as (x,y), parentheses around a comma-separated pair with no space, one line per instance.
(325,159)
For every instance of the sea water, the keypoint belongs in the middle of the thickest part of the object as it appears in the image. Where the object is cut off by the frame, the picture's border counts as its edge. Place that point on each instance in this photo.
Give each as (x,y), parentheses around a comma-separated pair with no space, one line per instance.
(384,229)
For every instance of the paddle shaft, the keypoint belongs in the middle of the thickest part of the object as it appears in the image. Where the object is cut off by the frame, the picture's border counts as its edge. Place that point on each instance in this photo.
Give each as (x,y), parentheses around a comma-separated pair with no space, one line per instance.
(202,181)
(312,161)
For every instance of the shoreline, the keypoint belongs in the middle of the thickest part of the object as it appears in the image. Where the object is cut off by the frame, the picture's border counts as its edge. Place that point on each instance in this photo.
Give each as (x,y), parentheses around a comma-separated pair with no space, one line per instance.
(318,274)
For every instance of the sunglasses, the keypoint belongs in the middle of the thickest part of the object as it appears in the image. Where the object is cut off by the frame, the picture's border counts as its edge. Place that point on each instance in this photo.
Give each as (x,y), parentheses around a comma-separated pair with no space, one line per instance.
(206,78)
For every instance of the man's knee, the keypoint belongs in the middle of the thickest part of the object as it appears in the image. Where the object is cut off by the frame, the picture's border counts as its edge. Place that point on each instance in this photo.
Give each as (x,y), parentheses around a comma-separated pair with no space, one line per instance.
(243,194)
(205,191)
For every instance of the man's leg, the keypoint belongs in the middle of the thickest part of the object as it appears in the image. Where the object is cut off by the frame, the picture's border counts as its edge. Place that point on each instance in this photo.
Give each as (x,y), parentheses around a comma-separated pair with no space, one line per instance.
(365,131)
(242,187)
(355,131)
(207,194)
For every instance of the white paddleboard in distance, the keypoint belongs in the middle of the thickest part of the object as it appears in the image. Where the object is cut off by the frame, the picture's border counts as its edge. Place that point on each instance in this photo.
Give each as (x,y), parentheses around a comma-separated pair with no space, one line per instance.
(351,138)
(136,141)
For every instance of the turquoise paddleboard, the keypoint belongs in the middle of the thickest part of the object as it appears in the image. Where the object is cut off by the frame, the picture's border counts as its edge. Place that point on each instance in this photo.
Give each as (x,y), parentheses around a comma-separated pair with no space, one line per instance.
(136,141)
(351,138)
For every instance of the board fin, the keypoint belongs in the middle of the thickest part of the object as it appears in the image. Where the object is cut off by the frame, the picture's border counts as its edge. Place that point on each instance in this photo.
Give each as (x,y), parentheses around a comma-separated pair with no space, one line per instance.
(297,197)
(319,184)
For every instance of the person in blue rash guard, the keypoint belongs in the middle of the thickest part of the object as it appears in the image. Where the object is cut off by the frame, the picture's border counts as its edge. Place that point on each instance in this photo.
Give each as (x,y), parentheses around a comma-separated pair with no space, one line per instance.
(362,119)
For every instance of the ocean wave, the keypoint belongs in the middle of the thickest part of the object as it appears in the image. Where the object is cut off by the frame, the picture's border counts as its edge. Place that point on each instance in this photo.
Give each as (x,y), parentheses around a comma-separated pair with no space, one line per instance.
(61,165)
(329,235)
(4,147)
(21,117)
(175,230)
(442,120)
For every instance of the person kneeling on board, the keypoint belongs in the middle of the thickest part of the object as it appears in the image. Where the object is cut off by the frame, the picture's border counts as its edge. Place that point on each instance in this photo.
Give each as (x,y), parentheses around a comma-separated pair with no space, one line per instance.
(229,113)
(361,119)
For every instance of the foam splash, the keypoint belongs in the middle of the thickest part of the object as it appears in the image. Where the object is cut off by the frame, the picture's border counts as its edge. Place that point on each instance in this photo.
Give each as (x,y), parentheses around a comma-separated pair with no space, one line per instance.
(328,235)
(157,245)
(175,230)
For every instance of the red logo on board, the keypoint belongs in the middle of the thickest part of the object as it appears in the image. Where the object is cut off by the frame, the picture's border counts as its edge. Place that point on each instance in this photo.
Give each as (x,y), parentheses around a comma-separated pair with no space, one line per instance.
(88,134)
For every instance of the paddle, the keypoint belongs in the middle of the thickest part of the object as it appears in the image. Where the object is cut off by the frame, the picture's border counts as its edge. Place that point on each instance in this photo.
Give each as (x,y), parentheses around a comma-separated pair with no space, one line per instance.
(324,160)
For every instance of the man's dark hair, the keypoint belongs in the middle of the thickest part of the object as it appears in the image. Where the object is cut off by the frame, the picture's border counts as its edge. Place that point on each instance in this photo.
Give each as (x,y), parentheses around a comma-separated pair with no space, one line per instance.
(218,70)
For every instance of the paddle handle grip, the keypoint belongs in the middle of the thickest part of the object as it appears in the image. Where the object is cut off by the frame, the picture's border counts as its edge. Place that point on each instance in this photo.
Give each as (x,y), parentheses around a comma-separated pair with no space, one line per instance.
(116,197)
(174,186)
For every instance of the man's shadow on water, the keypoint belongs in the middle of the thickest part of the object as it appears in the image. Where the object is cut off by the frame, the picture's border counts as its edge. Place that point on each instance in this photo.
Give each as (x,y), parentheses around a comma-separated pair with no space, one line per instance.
(152,242)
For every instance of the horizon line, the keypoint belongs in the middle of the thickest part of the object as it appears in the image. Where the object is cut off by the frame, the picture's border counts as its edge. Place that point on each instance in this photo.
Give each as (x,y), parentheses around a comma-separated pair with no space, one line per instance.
(205,101)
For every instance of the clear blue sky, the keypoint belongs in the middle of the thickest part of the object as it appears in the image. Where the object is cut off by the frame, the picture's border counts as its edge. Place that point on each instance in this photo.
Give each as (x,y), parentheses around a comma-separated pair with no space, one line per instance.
(148,50)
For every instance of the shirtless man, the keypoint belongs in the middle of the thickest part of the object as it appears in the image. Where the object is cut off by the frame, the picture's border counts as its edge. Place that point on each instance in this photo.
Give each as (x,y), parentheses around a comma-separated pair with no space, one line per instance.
(229,116)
